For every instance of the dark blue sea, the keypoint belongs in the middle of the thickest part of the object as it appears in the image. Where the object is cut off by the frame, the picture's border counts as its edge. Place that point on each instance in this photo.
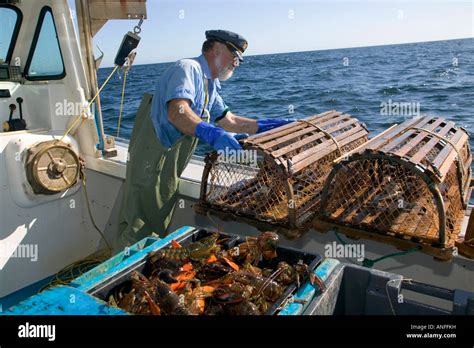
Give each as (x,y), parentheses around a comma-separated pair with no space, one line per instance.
(436,78)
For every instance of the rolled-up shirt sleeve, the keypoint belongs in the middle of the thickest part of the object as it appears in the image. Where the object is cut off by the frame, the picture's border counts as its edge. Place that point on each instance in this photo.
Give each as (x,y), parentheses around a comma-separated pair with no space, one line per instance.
(219,109)
(181,83)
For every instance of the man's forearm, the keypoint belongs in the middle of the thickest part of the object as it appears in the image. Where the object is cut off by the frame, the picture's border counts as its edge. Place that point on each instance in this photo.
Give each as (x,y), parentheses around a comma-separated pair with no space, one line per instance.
(238,124)
(182,116)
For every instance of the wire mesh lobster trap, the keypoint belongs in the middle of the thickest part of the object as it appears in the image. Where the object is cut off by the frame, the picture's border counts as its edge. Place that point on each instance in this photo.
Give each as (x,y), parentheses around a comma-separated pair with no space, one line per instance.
(283,185)
(412,182)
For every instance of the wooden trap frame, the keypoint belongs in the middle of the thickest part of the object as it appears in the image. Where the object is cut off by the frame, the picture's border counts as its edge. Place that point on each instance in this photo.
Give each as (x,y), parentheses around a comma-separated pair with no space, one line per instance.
(408,186)
(282,188)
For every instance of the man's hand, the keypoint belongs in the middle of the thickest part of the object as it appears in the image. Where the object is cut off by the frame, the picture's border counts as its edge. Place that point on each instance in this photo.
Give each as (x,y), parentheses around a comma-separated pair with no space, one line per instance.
(269,123)
(218,138)
(229,141)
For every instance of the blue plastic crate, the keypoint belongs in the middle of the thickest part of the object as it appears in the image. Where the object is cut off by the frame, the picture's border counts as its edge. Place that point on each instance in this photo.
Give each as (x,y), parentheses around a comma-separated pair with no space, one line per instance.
(81,296)
(102,285)
(125,259)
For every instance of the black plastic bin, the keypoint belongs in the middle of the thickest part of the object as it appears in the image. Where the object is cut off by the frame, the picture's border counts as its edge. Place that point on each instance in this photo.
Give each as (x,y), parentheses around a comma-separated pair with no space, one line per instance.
(356,290)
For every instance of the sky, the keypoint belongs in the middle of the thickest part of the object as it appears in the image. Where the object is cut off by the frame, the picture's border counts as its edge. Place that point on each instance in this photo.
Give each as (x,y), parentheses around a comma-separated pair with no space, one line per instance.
(175,29)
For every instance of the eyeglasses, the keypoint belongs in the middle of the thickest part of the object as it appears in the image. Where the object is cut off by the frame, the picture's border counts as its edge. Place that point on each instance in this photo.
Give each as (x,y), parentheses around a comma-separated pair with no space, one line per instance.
(236,57)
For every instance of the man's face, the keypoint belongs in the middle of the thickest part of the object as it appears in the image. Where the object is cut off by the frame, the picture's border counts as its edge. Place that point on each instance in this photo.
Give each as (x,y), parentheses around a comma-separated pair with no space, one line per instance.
(225,62)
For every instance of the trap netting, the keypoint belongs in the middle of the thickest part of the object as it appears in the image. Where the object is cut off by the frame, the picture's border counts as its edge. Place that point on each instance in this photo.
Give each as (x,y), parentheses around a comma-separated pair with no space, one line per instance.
(411,181)
(279,177)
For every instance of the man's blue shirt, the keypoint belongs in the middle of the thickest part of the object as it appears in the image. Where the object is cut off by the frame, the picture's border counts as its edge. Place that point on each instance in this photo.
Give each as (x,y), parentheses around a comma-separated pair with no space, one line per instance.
(184,80)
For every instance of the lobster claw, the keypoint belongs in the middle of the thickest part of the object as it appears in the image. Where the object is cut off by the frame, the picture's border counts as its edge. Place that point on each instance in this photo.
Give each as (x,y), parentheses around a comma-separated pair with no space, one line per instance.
(224,296)
(166,275)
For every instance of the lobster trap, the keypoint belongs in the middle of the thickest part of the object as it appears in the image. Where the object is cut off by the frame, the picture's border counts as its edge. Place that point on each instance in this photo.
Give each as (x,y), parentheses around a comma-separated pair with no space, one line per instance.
(411,183)
(282,186)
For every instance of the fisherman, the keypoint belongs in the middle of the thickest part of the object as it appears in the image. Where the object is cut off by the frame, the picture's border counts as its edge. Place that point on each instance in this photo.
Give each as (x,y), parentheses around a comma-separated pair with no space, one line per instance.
(186,107)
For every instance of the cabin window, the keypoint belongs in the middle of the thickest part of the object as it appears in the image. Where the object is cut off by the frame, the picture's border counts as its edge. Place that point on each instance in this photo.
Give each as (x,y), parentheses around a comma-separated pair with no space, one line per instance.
(45,61)
(10,17)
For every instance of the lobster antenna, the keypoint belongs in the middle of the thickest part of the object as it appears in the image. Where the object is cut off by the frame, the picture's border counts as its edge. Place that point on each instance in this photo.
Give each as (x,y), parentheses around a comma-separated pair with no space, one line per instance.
(269,279)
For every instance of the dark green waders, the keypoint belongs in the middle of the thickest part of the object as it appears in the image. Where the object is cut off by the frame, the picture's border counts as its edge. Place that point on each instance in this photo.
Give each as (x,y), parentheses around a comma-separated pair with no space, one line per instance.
(152,181)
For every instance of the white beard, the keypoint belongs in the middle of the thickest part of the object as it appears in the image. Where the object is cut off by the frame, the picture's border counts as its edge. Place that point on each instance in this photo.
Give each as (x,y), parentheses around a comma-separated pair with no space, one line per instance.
(226,74)
(223,73)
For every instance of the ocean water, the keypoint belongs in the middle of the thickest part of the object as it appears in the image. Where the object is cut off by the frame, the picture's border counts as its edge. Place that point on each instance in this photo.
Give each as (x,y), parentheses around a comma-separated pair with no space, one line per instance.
(435,78)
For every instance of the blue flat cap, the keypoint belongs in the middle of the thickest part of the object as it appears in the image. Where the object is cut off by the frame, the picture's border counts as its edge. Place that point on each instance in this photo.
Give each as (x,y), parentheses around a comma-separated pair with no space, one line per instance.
(236,43)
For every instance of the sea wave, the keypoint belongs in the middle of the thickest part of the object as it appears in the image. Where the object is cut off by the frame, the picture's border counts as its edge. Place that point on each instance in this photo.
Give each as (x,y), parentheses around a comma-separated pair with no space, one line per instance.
(313,82)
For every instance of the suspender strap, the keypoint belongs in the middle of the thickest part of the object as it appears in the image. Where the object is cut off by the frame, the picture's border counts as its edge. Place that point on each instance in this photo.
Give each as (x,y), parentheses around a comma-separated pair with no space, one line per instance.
(207,115)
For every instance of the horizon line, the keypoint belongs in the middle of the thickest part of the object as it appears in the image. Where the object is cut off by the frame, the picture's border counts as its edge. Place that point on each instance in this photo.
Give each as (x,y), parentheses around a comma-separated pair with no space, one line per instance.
(322,49)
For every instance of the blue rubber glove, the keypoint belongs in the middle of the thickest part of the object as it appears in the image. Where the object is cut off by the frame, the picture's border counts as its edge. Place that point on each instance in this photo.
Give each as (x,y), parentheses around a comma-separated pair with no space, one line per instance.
(218,138)
(270,123)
